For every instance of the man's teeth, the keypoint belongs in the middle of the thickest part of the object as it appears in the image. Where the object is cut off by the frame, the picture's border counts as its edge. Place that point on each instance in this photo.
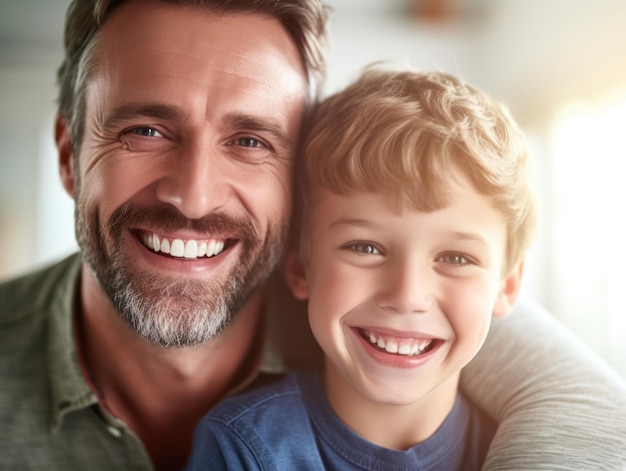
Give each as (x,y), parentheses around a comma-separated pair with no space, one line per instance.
(183,248)
(400,346)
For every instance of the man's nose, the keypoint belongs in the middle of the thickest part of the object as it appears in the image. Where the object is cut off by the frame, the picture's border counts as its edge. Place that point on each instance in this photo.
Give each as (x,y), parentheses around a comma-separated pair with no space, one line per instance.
(406,288)
(197,182)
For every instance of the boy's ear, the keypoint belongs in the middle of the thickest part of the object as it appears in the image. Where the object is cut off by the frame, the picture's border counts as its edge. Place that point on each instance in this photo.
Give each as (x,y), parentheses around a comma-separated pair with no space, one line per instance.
(509,291)
(63,139)
(296,275)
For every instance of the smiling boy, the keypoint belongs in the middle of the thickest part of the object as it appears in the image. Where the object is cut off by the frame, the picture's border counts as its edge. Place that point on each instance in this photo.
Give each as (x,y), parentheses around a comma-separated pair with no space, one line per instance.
(413,238)
(416,213)
(400,301)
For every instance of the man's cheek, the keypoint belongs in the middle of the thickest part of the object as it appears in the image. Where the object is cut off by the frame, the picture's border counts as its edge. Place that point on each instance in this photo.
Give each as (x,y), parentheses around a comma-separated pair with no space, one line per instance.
(111,184)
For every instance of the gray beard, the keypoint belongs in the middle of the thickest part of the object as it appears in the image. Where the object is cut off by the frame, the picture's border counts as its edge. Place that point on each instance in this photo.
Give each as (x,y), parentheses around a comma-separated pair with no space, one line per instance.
(167,311)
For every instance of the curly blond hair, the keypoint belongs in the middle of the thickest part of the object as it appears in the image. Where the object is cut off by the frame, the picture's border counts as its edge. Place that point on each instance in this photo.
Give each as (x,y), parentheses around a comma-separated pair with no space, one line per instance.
(404,133)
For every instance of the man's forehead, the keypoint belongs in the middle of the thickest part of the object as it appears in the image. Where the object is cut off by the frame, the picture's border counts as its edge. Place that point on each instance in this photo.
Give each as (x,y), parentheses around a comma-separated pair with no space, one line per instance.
(169,40)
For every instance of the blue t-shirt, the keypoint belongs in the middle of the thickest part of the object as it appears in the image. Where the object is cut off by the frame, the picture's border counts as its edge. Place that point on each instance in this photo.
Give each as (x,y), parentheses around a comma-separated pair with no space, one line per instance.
(290,426)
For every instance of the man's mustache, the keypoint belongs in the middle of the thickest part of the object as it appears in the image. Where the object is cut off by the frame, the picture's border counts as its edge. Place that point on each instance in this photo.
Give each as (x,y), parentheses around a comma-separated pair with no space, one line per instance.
(167,219)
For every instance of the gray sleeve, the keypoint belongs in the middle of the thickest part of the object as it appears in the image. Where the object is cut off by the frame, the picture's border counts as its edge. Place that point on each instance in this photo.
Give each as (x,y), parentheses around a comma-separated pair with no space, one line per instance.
(559,406)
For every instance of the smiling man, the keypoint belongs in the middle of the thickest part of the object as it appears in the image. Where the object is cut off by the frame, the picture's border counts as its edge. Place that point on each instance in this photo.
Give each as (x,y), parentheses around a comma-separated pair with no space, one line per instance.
(176,139)
(190,151)
(177,132)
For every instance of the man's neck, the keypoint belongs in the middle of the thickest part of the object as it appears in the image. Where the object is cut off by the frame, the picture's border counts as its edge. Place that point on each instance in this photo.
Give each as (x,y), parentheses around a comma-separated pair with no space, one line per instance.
(160,393)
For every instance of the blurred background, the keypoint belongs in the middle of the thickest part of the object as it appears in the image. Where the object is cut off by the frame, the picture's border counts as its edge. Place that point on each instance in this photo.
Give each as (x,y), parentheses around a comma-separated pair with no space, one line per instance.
(559,64)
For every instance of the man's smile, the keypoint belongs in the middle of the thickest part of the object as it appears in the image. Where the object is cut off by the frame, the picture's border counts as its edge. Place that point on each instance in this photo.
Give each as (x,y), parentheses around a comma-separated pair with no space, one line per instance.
(180,248)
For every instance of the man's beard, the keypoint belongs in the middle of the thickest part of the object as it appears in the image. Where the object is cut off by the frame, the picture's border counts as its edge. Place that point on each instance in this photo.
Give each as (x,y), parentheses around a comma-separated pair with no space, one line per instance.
(166,310)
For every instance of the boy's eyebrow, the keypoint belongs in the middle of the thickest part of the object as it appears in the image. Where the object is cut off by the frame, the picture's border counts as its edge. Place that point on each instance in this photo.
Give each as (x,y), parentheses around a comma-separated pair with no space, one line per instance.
(364,223)
(346,221)
(469,237)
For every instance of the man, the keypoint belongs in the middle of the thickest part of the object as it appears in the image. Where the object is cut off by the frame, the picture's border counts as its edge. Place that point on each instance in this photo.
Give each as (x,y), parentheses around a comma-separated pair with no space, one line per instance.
(176,133)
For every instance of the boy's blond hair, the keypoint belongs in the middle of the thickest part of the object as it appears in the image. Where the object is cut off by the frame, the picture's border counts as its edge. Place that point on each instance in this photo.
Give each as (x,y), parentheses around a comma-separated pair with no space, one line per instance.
(405,133)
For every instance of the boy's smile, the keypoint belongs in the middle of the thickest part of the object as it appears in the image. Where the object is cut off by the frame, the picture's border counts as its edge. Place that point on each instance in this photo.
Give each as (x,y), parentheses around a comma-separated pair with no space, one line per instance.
(398,349)
(402,345)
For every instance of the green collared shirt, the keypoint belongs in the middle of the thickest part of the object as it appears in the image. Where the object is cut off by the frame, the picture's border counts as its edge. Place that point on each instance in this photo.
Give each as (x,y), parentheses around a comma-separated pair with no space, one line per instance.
(50,419)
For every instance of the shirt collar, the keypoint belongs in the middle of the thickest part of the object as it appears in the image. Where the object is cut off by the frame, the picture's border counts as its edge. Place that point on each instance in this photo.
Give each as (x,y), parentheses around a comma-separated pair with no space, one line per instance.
(69,390)
(284,338)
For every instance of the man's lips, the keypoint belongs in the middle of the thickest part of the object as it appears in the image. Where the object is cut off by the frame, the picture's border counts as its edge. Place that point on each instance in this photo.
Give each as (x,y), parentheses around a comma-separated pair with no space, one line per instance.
(183,248)
(405,346)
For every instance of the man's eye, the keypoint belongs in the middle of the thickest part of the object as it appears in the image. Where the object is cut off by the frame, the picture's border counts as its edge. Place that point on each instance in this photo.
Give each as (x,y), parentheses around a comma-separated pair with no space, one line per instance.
(365,248)
(454,259)
(145,131)
(248,142)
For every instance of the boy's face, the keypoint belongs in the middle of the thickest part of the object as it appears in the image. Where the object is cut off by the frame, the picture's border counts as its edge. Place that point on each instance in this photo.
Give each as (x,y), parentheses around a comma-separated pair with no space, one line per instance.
(385,284)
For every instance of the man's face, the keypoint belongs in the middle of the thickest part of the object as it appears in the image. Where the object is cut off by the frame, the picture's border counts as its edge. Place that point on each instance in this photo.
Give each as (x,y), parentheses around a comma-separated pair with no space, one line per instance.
(183,182)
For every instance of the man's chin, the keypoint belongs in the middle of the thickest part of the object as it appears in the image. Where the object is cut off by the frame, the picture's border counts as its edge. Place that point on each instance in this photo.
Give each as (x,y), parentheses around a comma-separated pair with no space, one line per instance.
(173,312)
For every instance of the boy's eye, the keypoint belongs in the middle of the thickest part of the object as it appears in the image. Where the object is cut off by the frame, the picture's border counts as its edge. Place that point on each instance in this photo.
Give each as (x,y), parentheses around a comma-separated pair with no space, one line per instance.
(365,248)
(454,259)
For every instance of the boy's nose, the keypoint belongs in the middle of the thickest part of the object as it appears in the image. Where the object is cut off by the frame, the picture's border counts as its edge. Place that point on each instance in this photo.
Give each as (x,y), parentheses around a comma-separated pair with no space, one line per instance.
(197,182)
(406,288)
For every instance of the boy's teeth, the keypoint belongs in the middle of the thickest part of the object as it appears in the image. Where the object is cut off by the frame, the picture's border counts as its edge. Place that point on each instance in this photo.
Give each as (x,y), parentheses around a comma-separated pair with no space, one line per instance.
(400,346)
(391,346)
(190,249)
(404,349)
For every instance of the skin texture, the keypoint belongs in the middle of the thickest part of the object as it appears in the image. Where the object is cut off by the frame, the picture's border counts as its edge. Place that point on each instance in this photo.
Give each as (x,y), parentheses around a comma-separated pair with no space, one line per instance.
(190,133)
(408,277)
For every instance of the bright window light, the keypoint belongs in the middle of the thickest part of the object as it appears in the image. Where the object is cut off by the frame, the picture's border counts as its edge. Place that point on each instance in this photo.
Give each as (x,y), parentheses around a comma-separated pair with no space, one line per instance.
(588,224)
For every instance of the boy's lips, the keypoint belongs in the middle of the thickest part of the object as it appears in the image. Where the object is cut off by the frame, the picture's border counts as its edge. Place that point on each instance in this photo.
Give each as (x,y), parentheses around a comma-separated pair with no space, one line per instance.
(398,345)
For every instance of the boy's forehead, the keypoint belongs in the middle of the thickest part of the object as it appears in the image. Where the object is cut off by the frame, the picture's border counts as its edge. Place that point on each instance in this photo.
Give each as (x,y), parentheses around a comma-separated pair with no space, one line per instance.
(400,196)
(454,193)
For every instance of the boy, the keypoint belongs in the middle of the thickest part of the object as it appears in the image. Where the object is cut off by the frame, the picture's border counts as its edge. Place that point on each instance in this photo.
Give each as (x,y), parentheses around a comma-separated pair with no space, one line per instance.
(416,213)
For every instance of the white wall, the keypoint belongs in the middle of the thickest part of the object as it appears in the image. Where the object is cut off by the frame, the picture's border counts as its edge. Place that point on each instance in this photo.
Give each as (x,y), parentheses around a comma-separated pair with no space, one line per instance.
(33,210)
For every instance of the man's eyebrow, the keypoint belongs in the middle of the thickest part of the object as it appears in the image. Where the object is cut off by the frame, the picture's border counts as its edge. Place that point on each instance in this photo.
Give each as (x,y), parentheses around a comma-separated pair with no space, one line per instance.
(260,124)
(174,113)
(134,110)
(364,223)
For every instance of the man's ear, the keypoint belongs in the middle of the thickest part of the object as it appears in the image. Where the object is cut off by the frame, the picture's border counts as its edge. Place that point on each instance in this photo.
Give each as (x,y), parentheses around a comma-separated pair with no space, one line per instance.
(63,139)
(296,275)
(509,291)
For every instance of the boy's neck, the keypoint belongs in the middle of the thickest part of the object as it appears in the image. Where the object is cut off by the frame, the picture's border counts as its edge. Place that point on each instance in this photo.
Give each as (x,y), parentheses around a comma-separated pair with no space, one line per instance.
(393,426)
